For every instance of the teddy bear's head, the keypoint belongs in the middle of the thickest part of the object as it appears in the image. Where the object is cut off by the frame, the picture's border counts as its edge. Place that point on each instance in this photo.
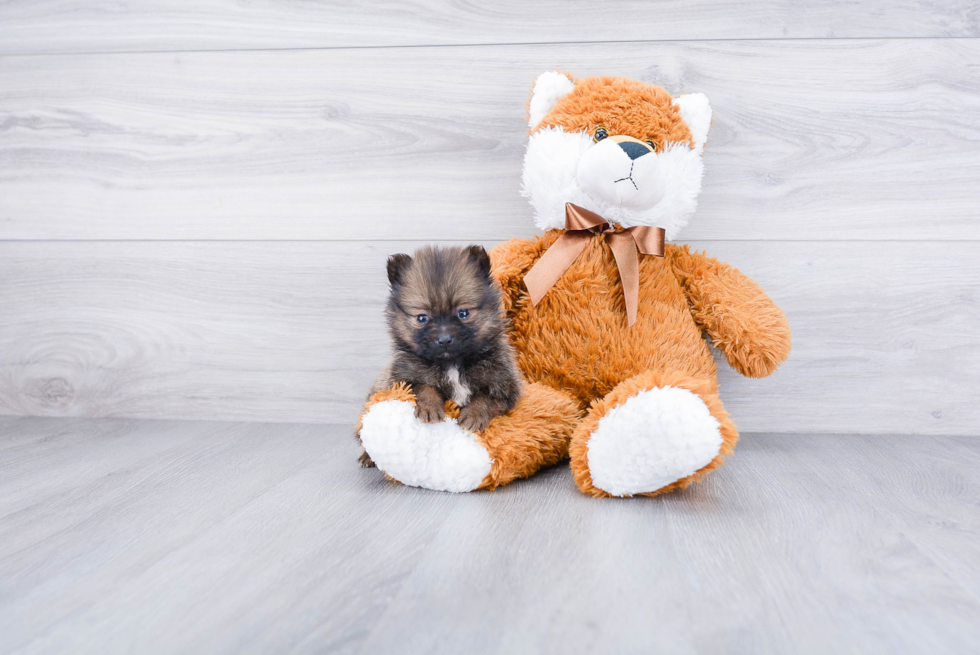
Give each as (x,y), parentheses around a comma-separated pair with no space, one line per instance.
(621,148)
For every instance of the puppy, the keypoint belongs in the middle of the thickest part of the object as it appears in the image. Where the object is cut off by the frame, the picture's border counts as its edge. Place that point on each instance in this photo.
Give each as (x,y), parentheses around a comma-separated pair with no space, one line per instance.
(449,336)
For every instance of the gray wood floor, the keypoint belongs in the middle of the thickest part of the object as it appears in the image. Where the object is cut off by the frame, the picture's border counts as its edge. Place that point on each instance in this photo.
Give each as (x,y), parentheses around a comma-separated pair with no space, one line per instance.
(174,537)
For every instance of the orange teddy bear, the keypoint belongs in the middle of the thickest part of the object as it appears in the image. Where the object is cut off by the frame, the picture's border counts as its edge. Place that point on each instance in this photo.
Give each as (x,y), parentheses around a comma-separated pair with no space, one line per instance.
(608,321)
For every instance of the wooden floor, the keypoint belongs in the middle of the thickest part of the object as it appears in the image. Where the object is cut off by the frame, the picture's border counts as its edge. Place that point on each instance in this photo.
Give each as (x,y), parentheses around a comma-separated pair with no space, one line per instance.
(177,537)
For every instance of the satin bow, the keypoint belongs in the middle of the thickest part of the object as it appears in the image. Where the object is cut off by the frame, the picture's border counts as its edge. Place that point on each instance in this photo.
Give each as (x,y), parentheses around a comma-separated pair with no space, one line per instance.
(580,226)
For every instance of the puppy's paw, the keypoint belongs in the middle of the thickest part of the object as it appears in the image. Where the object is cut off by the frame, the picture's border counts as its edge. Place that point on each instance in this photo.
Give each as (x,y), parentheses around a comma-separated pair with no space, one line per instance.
(365,461)
(474,417)
(429,411)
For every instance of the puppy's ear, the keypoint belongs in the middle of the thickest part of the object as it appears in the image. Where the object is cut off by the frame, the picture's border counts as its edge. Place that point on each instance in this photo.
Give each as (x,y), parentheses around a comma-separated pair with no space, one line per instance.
(481,259)
(397,265)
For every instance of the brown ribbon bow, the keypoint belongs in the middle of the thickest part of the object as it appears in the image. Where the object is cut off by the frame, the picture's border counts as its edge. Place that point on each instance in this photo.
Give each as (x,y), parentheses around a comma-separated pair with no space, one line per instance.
(580,226)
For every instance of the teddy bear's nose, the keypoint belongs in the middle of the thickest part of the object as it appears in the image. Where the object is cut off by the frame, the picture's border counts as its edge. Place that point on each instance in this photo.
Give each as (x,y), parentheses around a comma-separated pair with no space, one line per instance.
(633,149)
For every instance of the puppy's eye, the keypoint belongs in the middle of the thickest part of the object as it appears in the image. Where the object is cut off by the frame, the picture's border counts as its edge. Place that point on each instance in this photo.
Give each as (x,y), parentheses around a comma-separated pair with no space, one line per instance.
(462,313)
(652,145)
(600,134)
(422,319)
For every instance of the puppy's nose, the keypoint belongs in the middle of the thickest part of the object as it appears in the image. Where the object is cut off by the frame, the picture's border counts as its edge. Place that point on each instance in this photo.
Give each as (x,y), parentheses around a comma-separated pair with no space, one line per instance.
(633,149)
(444,339)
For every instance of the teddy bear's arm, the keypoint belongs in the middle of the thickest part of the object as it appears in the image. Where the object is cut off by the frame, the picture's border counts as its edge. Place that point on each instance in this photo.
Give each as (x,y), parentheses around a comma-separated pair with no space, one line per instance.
(509,263)
(742,321)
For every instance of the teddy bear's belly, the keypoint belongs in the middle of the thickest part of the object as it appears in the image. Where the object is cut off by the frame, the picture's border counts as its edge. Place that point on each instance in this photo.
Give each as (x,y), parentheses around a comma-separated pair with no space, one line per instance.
(577,339)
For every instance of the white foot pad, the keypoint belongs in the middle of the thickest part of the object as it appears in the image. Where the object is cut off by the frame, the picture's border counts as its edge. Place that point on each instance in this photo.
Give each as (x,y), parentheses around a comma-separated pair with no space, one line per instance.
(440,456)
(653,439)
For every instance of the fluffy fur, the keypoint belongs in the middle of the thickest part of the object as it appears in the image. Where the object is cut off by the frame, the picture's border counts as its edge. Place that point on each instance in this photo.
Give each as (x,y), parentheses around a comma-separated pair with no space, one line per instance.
(548,89)
(449,337)
(577,338)
(642,401)
(667,431)
(562,149)
(446,457)
(439,456)
(634,381)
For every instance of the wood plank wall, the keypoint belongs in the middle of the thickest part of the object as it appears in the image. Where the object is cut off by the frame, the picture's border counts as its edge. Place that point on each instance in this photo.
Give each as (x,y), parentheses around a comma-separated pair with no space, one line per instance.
(197,198)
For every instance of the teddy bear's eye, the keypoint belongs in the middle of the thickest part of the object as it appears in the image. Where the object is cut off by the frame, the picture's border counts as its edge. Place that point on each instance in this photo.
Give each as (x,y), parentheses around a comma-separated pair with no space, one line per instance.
(652,145)
(600,134)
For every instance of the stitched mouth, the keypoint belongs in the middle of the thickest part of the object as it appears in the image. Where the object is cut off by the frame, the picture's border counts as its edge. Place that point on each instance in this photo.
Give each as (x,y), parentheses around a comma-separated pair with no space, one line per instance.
(628,177)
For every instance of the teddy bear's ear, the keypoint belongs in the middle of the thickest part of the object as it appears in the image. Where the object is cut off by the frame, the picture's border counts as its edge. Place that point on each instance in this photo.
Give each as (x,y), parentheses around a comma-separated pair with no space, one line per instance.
(696,112)
(548,89)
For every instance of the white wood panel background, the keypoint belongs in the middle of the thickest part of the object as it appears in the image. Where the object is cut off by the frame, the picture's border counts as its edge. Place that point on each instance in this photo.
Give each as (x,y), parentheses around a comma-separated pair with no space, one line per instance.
(196,199)
(885,335)
(45,26)
(845,139)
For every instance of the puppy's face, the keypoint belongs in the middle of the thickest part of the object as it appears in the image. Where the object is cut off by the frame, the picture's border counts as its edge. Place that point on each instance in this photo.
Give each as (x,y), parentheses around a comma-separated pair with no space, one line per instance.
(443,305)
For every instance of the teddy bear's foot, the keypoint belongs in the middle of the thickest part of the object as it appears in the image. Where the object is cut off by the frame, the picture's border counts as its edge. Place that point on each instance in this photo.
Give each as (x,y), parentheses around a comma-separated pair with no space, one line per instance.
(653,439)
(440,456)
(445,457)
(653,433)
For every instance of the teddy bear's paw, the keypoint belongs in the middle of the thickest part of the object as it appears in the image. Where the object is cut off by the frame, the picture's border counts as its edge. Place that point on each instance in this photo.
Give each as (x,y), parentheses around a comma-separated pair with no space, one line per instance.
(657,437)
(440,456)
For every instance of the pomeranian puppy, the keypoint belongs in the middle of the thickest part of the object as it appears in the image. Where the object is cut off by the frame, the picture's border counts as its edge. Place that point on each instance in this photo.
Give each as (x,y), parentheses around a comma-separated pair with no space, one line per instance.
(449,336)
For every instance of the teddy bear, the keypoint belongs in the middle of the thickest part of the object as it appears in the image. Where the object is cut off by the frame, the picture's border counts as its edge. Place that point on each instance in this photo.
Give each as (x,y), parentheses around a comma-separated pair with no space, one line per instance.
(610,320)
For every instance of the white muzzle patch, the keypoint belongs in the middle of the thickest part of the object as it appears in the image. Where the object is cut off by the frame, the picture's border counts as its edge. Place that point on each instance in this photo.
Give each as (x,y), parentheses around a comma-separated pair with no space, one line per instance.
(625,174)
(656,189)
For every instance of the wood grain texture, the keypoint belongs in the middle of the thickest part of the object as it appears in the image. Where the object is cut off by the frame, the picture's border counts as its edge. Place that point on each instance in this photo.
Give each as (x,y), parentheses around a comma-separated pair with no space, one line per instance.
(794,547)
(184,526)
(885,336)
(830,140)
(85,26)
(249,538)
